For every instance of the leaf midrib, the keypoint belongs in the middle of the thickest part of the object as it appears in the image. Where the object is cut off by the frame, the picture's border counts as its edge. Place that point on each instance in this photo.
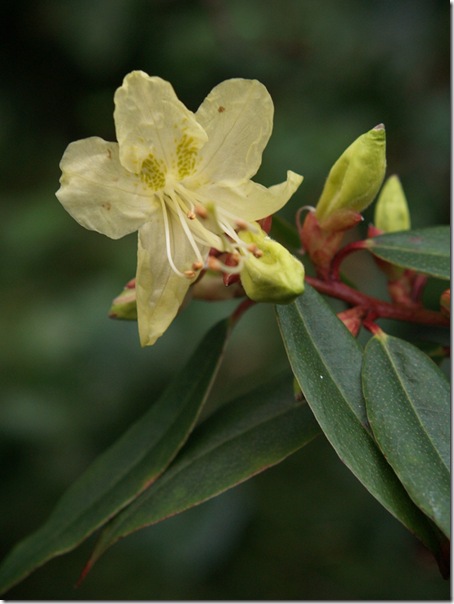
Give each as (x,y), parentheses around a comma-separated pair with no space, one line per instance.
(412,407)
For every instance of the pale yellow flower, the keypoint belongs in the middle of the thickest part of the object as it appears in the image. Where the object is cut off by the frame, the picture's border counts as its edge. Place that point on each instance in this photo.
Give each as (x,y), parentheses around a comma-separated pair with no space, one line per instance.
(181,179)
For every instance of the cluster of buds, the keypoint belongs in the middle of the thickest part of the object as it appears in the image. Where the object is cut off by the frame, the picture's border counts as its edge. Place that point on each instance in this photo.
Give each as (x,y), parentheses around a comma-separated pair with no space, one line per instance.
(352,184)
(267,273)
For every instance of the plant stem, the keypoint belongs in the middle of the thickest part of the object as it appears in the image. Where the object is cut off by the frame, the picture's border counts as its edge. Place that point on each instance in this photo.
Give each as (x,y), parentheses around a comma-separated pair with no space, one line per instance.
(380,308)
(341,254)
(240,310)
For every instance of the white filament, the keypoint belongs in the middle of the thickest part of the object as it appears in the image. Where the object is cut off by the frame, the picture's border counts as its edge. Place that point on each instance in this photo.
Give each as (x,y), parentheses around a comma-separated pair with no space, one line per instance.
(168,238)
(177,201)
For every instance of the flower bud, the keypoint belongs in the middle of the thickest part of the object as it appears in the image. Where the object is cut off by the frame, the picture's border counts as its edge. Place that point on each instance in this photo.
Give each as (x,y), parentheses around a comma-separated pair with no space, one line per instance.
(354,180)
(391,211)
(272,275)
(124,305)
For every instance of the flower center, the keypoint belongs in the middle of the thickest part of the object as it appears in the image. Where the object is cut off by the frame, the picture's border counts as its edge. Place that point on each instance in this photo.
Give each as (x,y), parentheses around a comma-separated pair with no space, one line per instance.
(153,173)
(205,226)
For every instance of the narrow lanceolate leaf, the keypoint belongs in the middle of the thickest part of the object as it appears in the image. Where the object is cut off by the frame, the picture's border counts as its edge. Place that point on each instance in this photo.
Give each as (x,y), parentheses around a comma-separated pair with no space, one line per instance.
(408,406)
(423,250)
(127,468)
(240,440)
(326,361)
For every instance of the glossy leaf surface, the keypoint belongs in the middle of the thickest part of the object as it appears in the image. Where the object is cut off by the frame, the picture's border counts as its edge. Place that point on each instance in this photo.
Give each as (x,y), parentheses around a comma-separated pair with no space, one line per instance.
(128,467)
(423,250)
(408,406)
(327,361)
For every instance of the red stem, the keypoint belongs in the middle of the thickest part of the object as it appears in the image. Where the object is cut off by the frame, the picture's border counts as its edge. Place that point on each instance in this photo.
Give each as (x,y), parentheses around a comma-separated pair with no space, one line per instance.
(418,287)
(337,289)
(240,310)
(341,254)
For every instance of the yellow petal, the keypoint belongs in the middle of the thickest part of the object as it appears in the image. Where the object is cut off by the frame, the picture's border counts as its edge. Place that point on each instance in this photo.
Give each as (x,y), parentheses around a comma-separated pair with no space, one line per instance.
(151,124)
(237,115)
(159,290)
(99,193)
(249,200)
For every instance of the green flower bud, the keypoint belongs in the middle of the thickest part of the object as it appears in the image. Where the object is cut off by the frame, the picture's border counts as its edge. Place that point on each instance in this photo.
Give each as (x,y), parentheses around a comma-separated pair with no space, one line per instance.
(391,211)
(270,273)
(124,305)
(354,179)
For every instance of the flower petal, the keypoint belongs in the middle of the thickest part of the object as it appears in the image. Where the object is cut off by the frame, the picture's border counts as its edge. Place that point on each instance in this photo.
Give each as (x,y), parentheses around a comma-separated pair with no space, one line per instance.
(237,115)
(99,193)
(159,290)
(151,121)
(249,200)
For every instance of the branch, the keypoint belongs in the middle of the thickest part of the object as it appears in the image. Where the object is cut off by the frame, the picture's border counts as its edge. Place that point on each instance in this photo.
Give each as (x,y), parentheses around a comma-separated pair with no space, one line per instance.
(380,308)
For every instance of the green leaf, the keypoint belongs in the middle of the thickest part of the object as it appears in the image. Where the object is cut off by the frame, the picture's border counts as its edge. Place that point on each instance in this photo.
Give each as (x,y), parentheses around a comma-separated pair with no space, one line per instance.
(434,350)
(241,439)
(326,361)
(128,467)
(423,250)
(408,406)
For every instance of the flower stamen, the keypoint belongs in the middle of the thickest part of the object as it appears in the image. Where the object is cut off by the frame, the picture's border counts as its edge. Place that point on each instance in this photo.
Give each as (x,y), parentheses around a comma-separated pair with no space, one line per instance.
(255,251)
(214,264)
(187,206)
(176,207)
(201,212)
(167,237)
(241,225)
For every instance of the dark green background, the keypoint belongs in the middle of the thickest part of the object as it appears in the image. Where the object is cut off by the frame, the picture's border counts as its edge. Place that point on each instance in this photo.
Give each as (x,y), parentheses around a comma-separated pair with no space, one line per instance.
(72,380)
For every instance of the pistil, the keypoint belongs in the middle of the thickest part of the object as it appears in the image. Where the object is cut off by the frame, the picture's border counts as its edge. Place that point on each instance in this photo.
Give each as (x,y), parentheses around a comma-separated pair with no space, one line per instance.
(203,223)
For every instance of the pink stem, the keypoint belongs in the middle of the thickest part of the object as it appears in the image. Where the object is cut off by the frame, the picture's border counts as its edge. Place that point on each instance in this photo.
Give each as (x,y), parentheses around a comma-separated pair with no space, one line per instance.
(337,289)
(240,310)
(341,254)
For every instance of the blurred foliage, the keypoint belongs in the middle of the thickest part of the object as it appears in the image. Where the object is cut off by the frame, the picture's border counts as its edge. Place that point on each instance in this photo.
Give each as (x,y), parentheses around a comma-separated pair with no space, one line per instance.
(73,380)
